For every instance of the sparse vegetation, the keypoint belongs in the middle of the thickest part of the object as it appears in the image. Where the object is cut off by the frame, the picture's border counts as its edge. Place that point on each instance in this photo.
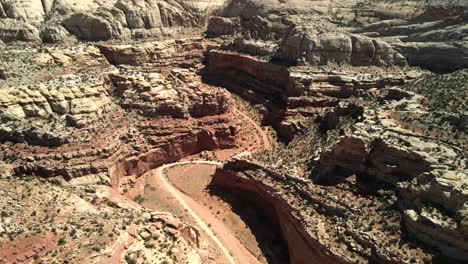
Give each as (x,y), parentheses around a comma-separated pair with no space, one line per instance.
(61,242)
(139,199)
(446,92)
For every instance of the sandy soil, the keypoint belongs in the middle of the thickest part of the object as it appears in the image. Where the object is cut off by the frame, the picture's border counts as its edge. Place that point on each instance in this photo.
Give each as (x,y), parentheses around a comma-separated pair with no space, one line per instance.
(217,234)
(192,180)
(158,197)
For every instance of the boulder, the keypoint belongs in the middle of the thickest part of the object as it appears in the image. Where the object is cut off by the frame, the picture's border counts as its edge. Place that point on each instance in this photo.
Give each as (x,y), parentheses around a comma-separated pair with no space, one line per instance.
(90,27)
(220,26)
(12,29)
(54,34)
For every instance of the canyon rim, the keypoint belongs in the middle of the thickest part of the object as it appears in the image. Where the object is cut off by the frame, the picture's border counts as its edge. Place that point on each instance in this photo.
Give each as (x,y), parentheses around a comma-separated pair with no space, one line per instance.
(237,131)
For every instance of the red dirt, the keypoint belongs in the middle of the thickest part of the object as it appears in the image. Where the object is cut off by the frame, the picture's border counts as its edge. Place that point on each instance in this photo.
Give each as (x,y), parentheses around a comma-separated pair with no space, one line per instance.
(192,180)
(25,249)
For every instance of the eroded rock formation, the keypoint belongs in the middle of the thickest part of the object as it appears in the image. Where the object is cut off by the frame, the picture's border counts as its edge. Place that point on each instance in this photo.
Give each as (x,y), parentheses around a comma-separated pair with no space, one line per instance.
(115,122)
(370,163)
(421,168)
(331,222)
(98,20)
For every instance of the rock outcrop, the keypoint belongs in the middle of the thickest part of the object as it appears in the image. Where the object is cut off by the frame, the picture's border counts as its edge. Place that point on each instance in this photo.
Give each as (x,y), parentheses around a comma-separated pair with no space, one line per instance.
(337,48)
(316,221)
(100,126)
(218,26)
(435,55)
(175,53)
(91,27)
(241,177)
(356,33)
(128,18)
(54,34)
(434,44)
(294,95)
(275,77)
(427,172)
(98,20)
(11,29)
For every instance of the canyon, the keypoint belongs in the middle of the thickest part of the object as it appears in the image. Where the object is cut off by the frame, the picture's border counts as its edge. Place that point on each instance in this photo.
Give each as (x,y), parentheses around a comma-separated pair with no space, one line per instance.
(242,131)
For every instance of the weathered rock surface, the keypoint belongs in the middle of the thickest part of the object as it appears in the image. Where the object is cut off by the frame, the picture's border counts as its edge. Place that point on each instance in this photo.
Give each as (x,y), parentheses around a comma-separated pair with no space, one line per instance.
(435,55)
(338,48)
(54,34)
(220,26)
(434,44)
(74,95)
(427,172)
(294,95)
(98,20)
(308,33)
(11,29)
(156,95)
(277,77)
(103,125)
(99,224)
(316,221)
(175,53)
(91,27)
(126,18)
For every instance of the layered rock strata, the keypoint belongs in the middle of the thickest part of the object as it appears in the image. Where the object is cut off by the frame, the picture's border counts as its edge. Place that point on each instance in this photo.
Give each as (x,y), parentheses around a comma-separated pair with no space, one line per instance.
(295,95)
(351,33)
(330,224)
(428,172)
(170,53)
(90,126)
(55,21)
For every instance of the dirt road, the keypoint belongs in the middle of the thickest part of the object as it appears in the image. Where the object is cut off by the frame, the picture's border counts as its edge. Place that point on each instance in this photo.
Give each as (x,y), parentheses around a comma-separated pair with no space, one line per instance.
(263,135)
(228,243)
(225,239)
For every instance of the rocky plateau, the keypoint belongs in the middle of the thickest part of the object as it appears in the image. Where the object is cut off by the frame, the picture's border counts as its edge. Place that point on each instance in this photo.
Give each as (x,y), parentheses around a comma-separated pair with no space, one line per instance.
(240,131)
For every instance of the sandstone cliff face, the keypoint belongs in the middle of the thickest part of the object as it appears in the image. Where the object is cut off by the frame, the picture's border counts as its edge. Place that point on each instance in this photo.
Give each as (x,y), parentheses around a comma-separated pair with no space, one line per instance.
(434,44)
(98,20)
(337,48)
(354,33)
(100,126)
(428,173)
(274,75)
(127,18)
(175,53)
(315,220)
(294,95)
(256,186)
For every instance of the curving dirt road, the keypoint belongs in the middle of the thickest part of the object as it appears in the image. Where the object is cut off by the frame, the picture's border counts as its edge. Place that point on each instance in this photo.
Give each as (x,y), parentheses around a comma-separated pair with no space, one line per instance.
(264,136)
(230,246)
(228,243)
